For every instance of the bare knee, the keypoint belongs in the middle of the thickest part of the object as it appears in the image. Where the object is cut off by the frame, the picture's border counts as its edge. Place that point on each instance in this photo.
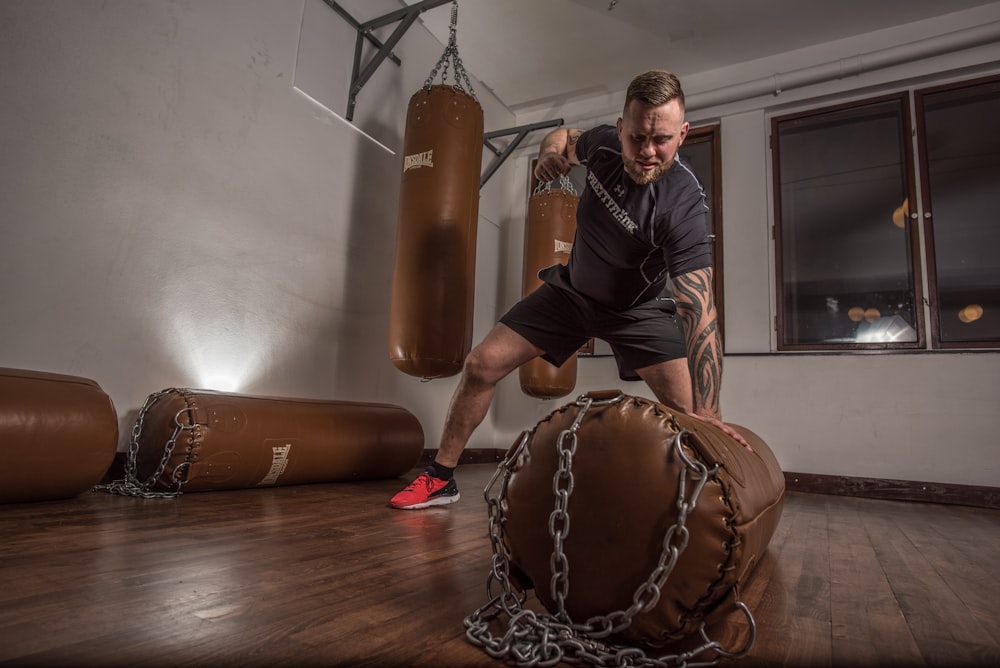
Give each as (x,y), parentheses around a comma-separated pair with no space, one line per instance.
(481,367)
(497,355)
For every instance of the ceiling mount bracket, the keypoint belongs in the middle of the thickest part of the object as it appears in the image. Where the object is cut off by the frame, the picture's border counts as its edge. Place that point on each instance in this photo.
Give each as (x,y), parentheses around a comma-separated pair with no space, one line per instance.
(406,17)
(521,131)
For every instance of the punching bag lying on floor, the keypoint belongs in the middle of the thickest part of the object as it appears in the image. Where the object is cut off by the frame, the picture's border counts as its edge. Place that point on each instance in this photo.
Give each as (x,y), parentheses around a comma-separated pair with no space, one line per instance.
(58,435)
(188,440)
(548,238)
(633,524)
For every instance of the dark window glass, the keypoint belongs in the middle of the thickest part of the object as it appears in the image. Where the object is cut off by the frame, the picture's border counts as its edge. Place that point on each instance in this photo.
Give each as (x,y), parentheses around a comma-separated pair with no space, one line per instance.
(701,151)
(844,237)
(961,184)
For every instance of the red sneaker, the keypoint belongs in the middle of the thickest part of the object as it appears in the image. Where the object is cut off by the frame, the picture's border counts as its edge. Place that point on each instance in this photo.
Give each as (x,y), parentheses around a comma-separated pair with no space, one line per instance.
(426,491)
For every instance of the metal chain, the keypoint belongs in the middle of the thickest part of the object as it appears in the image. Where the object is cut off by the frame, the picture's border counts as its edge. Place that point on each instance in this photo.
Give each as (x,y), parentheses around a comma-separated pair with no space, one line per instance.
(451,52)
(545,640)
(130,485)
(565,183)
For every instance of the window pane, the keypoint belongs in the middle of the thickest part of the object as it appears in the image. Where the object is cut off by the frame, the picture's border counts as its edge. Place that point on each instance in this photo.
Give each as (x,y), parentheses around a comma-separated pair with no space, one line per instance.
(699,156)
(963,172)
(700,152)
(845,270)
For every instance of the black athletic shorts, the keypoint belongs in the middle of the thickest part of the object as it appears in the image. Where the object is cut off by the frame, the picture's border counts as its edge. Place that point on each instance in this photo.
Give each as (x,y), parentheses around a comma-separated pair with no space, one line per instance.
(560,320)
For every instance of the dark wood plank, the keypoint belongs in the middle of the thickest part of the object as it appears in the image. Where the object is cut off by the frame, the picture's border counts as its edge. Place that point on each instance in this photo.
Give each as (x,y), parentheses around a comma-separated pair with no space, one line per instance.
(329,575)
(868,627)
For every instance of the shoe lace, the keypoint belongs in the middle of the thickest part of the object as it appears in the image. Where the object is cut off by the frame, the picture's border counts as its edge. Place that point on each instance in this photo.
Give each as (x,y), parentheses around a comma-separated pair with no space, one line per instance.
(422,480)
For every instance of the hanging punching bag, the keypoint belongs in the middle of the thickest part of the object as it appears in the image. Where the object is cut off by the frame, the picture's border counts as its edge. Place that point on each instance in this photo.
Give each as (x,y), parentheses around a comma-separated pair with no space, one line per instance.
(548,238)
(433,284)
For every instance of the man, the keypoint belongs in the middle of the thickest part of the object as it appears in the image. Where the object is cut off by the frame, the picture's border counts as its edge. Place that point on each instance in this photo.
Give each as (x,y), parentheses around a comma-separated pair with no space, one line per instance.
(641,220)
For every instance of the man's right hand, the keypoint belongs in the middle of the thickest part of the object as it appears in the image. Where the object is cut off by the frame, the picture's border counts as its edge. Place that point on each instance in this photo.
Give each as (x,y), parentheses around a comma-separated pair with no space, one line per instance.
(729,431)
(551,166)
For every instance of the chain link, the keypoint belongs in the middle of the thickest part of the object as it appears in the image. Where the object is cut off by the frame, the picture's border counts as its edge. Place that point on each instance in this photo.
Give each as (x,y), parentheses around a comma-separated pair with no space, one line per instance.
(130,485)
(451,52)
(565,183)
(545,640)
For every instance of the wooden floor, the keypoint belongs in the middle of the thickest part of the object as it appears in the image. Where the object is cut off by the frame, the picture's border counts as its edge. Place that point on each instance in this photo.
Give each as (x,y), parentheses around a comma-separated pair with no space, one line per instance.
(329,575)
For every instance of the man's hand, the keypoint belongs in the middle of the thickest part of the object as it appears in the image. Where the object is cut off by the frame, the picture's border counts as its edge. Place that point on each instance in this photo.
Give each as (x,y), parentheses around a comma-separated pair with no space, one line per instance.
(724,427)
(551,166)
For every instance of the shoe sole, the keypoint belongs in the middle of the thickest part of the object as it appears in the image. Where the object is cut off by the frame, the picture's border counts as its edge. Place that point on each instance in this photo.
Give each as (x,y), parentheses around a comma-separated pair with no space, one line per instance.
(436,501)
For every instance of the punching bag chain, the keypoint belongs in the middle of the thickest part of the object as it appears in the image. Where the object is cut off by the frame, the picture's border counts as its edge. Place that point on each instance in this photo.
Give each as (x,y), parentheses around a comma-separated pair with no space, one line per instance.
(533,639)
(451,52)
(130,485)
(564,184)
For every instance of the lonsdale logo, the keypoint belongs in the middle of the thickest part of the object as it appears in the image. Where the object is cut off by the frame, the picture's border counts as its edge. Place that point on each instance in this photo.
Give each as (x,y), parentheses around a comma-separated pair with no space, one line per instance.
(563,246)
(425,159)
(279,462)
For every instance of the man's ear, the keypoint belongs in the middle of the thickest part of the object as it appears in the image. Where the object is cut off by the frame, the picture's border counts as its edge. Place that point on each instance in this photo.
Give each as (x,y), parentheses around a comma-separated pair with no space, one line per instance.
(619,126)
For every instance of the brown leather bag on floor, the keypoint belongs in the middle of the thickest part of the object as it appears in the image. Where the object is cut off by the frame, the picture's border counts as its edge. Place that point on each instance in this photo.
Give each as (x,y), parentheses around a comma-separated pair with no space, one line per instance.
(58,435)
(188,440)
(630,521)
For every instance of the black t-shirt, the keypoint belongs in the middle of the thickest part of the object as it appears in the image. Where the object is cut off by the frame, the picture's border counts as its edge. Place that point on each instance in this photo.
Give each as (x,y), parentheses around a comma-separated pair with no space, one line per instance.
(631,238)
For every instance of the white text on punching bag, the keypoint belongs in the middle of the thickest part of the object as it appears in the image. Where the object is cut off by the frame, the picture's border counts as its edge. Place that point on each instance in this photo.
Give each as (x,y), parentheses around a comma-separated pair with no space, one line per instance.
(425,159)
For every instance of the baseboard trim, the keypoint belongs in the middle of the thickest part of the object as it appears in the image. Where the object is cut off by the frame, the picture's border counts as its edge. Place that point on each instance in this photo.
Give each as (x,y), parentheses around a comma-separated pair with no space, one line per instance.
(813,483)
(469,456)
(895,490)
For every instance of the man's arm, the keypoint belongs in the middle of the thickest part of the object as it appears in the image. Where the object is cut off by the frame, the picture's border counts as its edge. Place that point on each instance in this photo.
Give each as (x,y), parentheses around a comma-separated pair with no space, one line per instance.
(556,153)
(696,308)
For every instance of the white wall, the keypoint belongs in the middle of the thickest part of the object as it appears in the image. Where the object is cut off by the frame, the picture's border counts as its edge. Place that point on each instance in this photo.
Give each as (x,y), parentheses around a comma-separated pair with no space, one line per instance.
(930,416)
(182,205)
(179,210)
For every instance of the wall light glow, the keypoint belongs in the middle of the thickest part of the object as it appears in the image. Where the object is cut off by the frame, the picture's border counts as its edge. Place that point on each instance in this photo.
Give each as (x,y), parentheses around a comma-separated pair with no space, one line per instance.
(218,348)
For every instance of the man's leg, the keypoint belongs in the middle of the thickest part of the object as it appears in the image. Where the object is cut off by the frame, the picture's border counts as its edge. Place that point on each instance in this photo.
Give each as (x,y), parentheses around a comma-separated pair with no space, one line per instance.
(671,383)
(502,351)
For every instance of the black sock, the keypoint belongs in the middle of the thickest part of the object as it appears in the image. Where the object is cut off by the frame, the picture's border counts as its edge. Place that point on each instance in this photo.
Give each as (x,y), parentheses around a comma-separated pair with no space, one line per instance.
(440,471)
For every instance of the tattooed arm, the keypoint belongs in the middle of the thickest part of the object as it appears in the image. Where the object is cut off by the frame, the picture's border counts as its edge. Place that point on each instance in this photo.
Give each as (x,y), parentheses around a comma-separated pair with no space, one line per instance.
(556,153)
(696,308)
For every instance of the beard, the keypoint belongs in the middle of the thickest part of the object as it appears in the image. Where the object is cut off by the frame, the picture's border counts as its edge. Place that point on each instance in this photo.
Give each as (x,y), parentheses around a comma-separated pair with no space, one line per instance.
(642,176)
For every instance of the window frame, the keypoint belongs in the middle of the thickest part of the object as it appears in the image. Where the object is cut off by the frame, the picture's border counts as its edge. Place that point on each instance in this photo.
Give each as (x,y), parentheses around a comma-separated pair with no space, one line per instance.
(712,134)
(926,208)
(915,257)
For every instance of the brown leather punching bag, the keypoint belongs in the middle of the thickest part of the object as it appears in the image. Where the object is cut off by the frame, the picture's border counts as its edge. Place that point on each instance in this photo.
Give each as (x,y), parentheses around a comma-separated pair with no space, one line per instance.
(636,526)
(548,239)
(58,435)
(433,285)
(189,440)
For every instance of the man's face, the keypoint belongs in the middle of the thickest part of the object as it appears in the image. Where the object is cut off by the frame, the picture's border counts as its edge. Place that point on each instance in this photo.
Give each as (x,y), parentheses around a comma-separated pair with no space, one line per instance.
(650,138)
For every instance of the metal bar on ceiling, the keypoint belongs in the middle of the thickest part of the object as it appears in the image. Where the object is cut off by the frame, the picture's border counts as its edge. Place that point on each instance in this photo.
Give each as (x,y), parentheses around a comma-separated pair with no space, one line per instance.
(376,42)
(406,16)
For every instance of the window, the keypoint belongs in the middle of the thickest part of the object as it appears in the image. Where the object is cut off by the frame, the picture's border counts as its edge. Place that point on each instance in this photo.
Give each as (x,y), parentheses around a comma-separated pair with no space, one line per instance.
(848,222)
(702,151)
(960,185)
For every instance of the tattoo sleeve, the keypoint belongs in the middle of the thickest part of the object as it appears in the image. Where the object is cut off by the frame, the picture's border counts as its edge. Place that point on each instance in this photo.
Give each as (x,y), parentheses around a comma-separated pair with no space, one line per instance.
(696,308)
